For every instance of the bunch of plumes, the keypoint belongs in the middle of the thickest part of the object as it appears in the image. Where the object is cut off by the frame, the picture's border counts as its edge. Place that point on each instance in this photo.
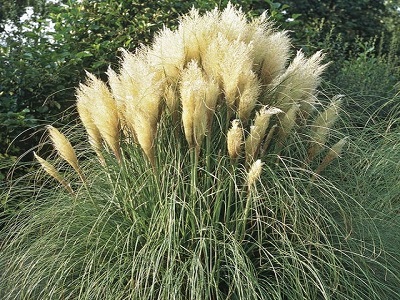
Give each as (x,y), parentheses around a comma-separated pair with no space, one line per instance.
(216,62)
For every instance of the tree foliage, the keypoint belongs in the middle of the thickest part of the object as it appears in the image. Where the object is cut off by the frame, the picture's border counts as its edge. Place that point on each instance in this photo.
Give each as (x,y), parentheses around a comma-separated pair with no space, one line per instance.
(362,18)
(350,20)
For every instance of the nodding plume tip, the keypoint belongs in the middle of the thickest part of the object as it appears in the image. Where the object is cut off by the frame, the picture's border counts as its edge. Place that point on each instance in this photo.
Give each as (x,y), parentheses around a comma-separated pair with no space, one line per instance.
(51,170)
(235,139)
(255,172)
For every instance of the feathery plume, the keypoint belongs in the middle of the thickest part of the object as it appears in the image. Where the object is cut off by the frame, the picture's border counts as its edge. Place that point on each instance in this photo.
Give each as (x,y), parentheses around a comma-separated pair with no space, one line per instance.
(211,97)
(167,54)
(145,134)
(230,64)
(65,149)
(287,123)
(321,127)
(172,101)
(256,33)
(194,110)
(118,92)
(234,140)
(213,56)
(333,153)
(197,31)
(190,83)
(199,123)
(143,91)
(275,54)
(233,23)
(258,130)
(103,110)
(125,88)
(299,81)
(93,132)
(51,170)
(254,173)
(248,97)
(235,68)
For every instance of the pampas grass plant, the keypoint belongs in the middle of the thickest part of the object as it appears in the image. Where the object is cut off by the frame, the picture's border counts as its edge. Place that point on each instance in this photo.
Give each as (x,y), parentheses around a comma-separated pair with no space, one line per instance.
(205,187)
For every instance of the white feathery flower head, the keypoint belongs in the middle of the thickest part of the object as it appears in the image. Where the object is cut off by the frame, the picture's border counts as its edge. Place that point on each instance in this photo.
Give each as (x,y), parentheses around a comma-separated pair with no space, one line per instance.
(194,110)
(235,139)
(63,146)
(274,53)
(258,131)
(254,173)
(167,54)
(103,109)
(233,23)
(299,81)
(249,95)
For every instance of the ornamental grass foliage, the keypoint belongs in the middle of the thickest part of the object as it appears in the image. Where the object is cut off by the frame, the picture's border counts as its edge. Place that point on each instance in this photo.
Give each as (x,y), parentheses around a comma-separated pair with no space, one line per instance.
(201,178)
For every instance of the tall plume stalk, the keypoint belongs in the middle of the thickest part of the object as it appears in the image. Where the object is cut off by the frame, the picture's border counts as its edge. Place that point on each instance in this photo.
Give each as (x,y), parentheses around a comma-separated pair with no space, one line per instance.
(321,127)
(258,131)
(332,154)
(65,150)
(100,115)
(52,171)
(235,140)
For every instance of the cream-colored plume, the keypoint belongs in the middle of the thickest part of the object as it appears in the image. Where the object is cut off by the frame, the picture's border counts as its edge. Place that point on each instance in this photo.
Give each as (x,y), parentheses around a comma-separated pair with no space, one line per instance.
(126,91)
(230,63)
(51,170)
(197,31)
(248,96)
(254,173)
(212,57)
(235,68)
(233,23)
(65,149)
(321,127)
(146,132)
(257,131)
(211,97)
(286,124)
(93,132)
(171,96)
(275,54)
(102,108)
(143,91)
(333,153)
(194,109)
(299,81)
(118,92)
(167,54)
(217,61)
(235,139)
(257,32)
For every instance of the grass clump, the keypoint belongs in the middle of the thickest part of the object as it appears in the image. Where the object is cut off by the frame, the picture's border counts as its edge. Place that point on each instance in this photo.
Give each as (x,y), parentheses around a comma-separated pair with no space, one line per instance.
(202,181)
